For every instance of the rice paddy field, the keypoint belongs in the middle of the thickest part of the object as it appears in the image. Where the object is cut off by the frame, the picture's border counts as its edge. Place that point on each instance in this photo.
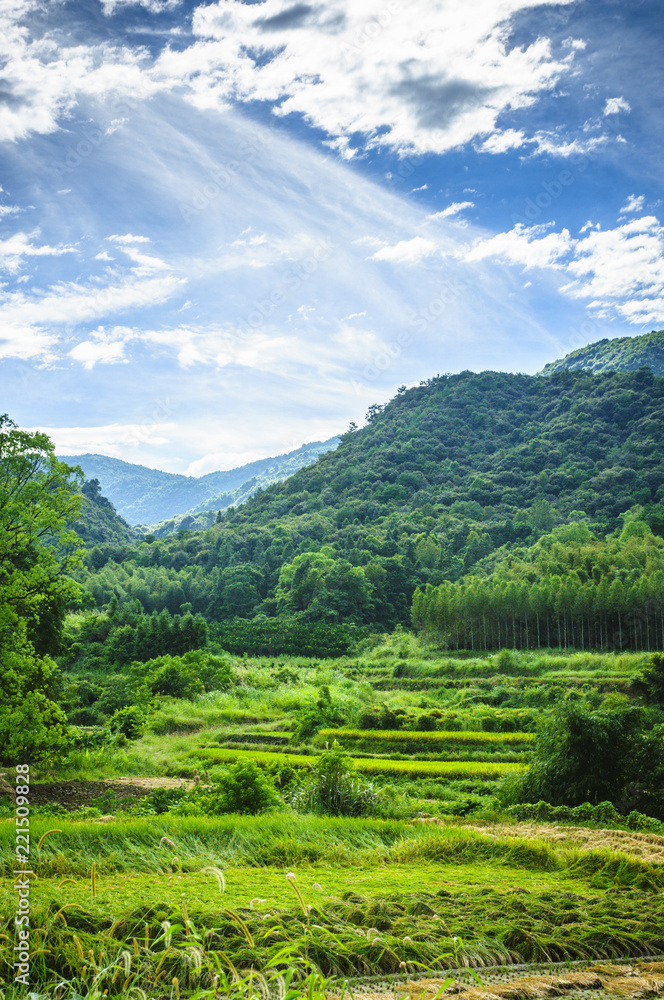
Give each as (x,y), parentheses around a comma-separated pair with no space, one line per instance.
(439,891)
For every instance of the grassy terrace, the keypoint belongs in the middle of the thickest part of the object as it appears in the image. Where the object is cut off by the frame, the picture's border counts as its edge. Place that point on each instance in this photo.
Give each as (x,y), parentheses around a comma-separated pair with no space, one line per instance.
(382,766)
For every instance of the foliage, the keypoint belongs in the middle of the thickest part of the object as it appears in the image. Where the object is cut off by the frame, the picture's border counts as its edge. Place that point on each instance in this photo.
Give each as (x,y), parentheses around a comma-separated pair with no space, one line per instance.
(287,634)
(129,721)
(334,788)
(595,756)
(451,475)
(622,354)
(651,679)
(569,589)
(38,502)
(245,788)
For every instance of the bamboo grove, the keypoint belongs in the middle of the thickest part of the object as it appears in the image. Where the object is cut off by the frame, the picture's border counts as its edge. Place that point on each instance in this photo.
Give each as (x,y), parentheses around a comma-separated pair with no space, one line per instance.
(570,589)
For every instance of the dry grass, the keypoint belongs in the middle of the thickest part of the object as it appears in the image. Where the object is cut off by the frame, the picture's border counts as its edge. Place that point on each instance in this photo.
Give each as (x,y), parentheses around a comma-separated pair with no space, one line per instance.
(646,846)
(643,979)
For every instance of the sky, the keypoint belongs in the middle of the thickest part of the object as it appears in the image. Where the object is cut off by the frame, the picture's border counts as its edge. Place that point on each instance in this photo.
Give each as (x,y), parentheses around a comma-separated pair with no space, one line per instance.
(227,228)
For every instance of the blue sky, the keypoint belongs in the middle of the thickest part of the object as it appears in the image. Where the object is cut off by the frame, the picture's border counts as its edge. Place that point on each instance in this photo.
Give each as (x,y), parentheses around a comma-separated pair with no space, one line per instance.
(227,228)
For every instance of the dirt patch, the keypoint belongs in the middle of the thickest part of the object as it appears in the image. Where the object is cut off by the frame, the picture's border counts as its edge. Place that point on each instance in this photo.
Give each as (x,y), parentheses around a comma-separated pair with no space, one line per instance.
(74,794)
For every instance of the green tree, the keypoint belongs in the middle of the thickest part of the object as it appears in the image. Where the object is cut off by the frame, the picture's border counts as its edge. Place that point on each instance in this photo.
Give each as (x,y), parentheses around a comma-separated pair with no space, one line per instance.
(583,756)
(39,499)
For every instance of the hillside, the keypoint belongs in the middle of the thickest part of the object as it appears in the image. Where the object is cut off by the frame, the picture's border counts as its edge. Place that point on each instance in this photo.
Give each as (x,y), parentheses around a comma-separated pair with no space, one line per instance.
(446,474)
(148,496)
(99,522)
(624,354)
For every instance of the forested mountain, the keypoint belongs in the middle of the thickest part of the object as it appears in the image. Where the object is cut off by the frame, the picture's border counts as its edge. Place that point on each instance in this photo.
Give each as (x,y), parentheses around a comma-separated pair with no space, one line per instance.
(624,354)
(436,482)
(98,522)
(148,496)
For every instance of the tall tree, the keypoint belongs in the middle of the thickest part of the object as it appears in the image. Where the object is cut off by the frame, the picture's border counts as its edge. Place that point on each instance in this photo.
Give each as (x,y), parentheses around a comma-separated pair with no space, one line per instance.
(39,499)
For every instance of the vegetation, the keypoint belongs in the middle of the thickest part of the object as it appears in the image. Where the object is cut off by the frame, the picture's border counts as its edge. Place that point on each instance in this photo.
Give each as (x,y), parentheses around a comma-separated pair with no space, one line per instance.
(455,477)
(568,589)
(624,354)
(147,496)
(38,499)
(318,791)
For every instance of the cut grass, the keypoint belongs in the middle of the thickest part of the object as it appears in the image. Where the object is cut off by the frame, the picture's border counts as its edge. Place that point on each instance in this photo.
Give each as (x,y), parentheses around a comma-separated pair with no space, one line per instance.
(364,922)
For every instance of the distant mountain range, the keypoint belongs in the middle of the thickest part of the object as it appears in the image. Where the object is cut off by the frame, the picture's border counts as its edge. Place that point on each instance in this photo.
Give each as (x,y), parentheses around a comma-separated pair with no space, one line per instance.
(624,354)
(148,496)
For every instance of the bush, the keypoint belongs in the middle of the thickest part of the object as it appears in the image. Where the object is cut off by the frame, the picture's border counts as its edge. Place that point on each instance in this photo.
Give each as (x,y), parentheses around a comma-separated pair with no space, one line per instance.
(245,789)
(129,722)
(332,787)
(581,756)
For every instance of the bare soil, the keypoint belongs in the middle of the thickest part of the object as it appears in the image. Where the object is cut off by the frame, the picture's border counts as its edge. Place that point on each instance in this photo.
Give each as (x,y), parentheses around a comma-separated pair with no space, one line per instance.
(74,794)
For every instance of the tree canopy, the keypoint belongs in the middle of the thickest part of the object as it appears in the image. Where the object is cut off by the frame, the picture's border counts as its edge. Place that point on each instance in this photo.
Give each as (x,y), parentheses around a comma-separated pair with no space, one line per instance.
(39,499)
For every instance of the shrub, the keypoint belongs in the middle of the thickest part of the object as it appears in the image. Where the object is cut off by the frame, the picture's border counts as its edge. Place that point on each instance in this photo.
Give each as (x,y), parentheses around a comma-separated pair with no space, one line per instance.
(332,787)
(129,722)
(245,789)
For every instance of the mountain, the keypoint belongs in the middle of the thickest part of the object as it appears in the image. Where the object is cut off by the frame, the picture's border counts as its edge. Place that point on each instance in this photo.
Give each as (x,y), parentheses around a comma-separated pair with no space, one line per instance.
(440,479)
(148,496)
(99,523)
(624,354)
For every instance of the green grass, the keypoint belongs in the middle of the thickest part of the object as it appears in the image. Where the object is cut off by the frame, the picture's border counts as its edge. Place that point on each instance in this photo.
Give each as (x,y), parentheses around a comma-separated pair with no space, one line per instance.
(432,737)
(397,768)
(425,897)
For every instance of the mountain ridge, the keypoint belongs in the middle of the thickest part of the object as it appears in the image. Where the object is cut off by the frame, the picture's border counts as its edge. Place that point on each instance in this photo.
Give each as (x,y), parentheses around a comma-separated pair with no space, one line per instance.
(621,354)
(144,496)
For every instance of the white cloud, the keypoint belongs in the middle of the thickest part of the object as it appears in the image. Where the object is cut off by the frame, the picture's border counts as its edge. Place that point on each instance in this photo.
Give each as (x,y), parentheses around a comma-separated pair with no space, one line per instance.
(524,245)
(91,352)
(69,303)
(633,204)
(155,6)
(501,142)
(109,439)
(19,245)
(422,77)
(406,251)
(616,104)
(128,239)
(453,209)
(621,270)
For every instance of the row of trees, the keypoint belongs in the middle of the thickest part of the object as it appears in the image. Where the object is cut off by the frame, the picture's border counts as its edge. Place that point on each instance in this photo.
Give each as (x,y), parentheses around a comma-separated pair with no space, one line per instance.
(571,589)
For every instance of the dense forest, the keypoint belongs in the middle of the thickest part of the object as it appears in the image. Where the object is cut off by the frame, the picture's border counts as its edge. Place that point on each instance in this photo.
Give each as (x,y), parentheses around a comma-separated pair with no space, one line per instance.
(568,589)
(452,478)
(624,354)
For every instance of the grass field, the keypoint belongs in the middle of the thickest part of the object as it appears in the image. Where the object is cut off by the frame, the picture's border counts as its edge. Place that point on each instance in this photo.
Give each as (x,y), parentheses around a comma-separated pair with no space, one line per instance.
(166,905)
(353,896)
